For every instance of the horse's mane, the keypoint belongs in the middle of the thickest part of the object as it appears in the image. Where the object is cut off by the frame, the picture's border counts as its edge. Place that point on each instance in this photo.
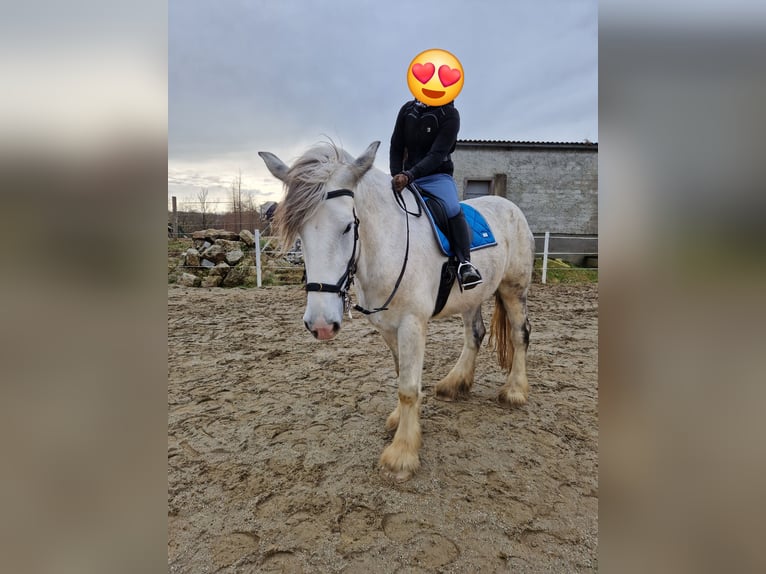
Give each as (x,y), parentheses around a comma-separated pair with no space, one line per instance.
(305,188)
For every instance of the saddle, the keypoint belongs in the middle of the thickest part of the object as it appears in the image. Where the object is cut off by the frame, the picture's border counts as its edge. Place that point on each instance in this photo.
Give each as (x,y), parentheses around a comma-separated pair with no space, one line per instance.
(482,237)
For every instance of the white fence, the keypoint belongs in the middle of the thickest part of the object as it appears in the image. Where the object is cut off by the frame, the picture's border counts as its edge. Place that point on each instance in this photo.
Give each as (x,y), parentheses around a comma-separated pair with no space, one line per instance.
(297,256)
(550,254)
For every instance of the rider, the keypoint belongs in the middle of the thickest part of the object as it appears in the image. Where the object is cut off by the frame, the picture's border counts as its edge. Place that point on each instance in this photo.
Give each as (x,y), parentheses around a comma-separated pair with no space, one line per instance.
(423,139)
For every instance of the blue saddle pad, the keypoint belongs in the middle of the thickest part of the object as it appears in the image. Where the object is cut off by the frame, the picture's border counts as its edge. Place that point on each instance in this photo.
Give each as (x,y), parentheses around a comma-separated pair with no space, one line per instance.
(482,235)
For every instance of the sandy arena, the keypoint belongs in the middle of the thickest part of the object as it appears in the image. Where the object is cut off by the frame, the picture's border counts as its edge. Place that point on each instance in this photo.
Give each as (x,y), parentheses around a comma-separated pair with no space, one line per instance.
(274,439)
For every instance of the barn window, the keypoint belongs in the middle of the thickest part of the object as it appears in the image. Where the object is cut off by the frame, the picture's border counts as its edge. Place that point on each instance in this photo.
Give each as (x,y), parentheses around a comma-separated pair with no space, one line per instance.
(477,188)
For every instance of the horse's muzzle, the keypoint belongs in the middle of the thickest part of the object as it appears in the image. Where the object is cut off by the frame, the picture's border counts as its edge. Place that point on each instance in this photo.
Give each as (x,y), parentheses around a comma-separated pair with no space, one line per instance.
(322,330)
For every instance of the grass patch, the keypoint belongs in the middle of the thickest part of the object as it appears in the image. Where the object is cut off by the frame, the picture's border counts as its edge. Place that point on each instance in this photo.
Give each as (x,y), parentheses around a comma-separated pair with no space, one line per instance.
(178,246)
(176,249)
(560,271)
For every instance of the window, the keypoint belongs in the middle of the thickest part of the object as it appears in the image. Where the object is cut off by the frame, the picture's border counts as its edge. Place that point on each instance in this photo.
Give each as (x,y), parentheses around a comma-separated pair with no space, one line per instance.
(477,188)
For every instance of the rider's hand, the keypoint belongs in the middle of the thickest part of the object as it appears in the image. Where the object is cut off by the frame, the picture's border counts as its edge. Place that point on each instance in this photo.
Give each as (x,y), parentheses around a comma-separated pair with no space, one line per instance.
(399,182)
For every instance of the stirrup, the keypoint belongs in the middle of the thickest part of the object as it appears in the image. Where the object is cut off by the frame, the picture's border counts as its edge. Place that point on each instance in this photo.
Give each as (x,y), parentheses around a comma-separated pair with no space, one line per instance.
(468,275)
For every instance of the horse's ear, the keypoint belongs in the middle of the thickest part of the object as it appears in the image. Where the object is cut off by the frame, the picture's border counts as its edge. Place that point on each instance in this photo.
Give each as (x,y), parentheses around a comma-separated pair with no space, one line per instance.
(365,161)
(276,166)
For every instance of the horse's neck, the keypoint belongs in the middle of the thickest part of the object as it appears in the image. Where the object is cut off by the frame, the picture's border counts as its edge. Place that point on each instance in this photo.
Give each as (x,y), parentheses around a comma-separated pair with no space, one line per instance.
(380,220)
(375,207)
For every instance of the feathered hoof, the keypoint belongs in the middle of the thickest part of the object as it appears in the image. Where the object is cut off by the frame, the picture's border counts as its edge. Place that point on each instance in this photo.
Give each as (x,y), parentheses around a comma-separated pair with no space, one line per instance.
(392,422)
(401,476)
(511,398)
(447,395)
(398,464)
(451,392)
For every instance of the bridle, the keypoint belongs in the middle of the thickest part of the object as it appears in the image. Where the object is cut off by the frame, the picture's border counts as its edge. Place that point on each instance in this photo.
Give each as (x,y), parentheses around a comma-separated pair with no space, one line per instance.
(342,286)
(345,281)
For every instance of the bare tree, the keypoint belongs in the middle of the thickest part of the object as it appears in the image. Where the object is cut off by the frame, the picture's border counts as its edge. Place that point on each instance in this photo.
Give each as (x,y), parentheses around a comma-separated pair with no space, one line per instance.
(251,209)
(187,218)
(204,206)
(236,198)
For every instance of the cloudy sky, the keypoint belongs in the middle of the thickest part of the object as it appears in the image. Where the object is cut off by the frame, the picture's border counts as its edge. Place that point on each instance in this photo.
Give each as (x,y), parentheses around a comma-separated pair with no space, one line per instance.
(252,75)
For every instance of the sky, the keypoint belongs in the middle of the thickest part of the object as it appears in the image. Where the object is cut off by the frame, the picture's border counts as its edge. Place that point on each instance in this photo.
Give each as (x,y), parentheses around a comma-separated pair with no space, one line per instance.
(262,75)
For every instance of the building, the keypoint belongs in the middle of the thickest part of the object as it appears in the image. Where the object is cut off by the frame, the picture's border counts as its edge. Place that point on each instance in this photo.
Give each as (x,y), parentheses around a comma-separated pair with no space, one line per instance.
(555,184)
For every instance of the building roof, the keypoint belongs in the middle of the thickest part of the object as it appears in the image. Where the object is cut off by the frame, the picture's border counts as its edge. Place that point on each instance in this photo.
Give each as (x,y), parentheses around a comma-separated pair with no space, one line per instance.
(527,144)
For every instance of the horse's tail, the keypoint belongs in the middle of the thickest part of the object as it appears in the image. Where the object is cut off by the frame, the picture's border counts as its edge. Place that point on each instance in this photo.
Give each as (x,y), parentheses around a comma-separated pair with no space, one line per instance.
(500,335)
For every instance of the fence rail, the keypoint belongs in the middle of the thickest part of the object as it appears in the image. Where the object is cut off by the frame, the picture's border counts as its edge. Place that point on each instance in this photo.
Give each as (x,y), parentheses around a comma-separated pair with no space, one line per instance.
(297,256)
(294,259)
(547,253)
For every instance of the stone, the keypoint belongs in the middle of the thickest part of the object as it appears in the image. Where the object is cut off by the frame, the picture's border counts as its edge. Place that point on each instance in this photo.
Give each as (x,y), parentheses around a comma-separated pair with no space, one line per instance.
(192,258)
(202,244)
(207,264)
(234,257)
(230,245)
(236,276)
(189,280)
(215,234)
(247,237)
(214,253)
(221,269)
(212,281)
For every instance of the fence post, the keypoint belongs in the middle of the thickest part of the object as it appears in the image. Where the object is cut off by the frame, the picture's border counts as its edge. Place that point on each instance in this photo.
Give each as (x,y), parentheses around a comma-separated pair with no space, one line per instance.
(175,218)
(257,257)
(545,255)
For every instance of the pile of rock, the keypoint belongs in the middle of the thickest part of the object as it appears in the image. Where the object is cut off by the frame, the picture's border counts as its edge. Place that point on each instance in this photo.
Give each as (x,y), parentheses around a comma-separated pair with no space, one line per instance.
(218,258)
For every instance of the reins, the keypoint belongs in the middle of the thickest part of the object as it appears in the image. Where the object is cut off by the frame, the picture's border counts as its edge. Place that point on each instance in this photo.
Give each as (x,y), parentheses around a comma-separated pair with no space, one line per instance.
(347,279)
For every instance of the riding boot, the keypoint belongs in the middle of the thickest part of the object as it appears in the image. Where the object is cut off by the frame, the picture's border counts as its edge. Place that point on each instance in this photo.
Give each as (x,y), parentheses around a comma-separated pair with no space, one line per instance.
(460,236)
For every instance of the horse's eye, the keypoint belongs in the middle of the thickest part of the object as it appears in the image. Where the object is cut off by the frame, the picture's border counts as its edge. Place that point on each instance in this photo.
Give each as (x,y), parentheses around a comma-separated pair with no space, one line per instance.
(348,228)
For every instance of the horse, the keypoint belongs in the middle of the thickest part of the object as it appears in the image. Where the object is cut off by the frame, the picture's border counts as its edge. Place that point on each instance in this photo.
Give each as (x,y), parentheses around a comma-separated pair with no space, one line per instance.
(354,231)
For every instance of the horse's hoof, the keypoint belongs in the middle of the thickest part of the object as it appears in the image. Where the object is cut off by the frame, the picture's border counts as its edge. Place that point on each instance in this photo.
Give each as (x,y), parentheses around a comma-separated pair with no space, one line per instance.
(397,464)
(452,392)
(401,476)
(444,396)
(512,398)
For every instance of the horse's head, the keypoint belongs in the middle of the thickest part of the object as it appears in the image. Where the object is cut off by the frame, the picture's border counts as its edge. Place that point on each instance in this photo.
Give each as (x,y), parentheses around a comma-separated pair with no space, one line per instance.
(326,223)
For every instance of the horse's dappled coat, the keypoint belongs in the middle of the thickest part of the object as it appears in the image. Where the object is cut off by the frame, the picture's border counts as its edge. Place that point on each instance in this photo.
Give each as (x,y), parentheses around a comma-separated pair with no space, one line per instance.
(323,227)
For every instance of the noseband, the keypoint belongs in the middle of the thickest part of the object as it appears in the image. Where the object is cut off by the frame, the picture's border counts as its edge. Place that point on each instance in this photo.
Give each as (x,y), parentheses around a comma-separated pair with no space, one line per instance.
(347,279)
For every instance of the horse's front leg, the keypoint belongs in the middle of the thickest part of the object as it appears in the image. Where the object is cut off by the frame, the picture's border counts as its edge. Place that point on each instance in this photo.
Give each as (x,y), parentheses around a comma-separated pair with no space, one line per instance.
(400,459)
(391,339)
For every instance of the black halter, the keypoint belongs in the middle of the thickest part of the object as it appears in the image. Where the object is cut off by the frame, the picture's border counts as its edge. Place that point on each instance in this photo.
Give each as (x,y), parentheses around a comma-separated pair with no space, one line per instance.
(347,279)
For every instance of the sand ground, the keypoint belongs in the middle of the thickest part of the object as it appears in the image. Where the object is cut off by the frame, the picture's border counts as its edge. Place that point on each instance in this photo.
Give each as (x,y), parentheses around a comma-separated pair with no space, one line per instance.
(274,439)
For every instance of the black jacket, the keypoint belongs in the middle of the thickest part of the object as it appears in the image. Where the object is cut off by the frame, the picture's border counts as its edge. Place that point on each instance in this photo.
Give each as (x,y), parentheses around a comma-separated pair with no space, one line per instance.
(423,139)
